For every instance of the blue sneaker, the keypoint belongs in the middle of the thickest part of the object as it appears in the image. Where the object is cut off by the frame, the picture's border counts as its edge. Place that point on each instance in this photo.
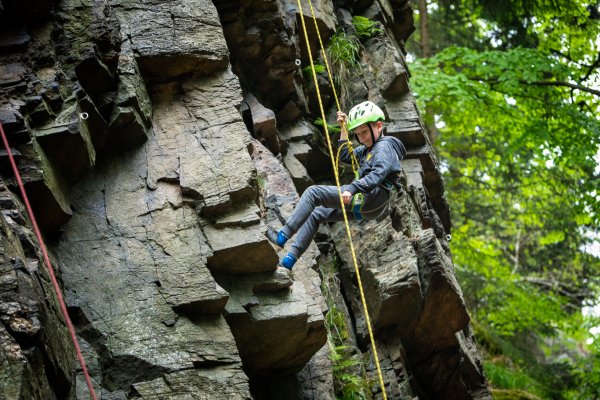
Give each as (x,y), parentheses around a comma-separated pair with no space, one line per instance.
(288,261)
(277,238)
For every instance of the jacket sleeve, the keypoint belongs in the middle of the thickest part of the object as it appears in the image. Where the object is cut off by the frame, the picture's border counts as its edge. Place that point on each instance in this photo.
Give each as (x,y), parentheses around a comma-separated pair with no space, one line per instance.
(381,167)
(344,153)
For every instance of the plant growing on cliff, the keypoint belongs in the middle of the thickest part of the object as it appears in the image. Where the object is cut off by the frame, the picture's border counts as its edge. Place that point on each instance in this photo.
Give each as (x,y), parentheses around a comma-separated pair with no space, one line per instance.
(343,52)
(307,71)
(365,28)
(349,371)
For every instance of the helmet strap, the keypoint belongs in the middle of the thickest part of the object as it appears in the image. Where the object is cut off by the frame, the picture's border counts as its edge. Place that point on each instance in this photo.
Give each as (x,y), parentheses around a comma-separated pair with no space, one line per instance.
(372,134)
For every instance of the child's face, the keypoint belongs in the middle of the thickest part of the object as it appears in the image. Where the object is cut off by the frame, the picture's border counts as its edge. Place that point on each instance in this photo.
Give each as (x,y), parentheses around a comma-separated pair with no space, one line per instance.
(363,133)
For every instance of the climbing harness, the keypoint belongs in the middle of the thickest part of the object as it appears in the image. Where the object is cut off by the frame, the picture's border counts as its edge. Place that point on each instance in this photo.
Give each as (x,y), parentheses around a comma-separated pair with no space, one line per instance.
(337,177)
(38,235)
(358,201)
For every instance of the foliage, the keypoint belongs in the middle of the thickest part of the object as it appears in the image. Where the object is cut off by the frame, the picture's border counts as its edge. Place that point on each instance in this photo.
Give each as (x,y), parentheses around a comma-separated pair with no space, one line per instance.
(343,52)
(319,69)
(347,374)
(517,107)
(365,28)
(330,127)
(505,377)
(344,49)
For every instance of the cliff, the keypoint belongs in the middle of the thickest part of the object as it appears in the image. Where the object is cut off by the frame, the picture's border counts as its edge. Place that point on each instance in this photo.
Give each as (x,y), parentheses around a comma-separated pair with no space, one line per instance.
(157,141)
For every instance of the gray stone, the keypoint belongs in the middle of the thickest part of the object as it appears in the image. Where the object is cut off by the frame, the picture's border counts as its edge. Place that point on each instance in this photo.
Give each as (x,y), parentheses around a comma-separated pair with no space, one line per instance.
(201,141)
(389,71)
(442,297)
(299,132)
(14,39)
(296,153)
(131,118)
(279,279)
(264,124)
(263,52)
(11,74)
(245,215)
(389,273)
(404,121)
(195,385)
(145,242)
(276,332)
(34,342)
(47,190)
(67,147)
(173,38)
(238,250)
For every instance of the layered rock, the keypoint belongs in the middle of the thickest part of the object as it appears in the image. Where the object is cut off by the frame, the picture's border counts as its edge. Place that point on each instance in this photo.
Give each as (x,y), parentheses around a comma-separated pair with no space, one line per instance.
(36,356)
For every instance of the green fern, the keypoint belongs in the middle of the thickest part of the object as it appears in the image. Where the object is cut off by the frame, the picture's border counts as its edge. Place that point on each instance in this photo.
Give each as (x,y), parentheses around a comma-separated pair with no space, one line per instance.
(365,28)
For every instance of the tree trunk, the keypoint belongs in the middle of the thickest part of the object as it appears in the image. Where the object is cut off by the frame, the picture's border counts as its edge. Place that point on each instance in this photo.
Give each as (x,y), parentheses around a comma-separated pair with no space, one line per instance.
(426,53)
(424,25)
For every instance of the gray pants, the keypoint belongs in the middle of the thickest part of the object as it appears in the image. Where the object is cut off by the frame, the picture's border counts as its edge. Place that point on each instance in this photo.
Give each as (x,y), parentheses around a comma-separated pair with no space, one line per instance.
(321,203)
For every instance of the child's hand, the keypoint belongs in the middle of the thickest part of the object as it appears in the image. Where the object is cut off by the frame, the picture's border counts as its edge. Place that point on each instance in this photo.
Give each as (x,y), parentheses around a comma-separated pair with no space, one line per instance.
(347,197)
(342,118)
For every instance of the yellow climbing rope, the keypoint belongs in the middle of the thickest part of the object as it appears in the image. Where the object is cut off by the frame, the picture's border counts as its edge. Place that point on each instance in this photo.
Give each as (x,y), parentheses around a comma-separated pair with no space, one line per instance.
(337,178)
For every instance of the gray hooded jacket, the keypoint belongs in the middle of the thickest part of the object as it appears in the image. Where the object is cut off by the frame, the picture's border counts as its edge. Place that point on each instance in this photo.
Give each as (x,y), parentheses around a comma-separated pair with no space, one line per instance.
(378,163)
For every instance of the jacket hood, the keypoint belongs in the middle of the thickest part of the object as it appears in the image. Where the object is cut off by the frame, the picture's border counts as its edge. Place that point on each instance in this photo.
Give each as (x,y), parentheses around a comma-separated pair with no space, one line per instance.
(396,144)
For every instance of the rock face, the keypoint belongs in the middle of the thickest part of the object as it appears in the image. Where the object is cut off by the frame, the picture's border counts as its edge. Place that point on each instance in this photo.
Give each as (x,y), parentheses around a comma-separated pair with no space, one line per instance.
(157,141)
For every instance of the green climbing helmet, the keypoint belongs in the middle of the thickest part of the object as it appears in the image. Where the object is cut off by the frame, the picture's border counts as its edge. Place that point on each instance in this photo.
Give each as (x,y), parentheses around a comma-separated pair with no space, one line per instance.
(367,111)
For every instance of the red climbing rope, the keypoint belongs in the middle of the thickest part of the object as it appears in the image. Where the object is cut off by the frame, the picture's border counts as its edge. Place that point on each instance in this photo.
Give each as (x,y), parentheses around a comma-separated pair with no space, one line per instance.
(36,229)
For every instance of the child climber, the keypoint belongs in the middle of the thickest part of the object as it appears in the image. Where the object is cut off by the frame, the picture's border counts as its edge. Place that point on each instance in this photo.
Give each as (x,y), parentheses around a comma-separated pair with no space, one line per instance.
(365,198)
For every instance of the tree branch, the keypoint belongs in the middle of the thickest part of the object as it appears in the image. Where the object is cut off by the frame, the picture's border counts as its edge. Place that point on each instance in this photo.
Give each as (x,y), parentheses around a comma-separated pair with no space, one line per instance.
(567,84)
(595,65)
(559,287)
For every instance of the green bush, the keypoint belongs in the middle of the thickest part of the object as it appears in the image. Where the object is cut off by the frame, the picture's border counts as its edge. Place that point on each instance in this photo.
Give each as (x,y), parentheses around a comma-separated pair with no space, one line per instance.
(505,376)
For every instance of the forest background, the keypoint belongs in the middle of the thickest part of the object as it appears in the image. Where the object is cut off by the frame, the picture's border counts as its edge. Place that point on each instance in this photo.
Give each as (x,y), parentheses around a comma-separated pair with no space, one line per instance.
(510,92)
